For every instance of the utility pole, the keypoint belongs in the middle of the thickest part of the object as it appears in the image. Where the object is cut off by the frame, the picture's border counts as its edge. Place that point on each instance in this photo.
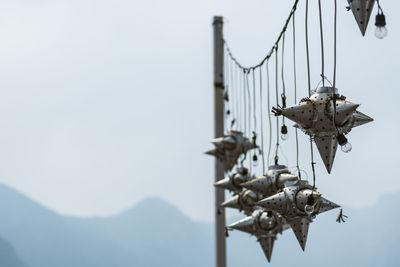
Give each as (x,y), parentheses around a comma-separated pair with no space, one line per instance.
(220,244)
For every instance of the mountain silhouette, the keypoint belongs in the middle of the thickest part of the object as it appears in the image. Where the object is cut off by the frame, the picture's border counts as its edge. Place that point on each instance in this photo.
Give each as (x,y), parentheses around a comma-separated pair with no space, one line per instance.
(155,233)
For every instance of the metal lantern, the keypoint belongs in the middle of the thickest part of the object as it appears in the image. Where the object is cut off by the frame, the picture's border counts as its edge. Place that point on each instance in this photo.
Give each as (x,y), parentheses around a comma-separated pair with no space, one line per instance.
(243,201)
(298,204)
(233,182)
(362,10)
(275,179)
(228,148)
(326,124)
(265,225)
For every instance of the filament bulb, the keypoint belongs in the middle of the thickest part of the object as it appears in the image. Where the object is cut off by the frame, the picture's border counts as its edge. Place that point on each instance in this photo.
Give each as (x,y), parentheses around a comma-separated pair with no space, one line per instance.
(380,23)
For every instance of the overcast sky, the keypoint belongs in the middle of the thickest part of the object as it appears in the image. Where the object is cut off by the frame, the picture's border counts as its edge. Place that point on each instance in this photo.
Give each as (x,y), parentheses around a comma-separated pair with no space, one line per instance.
(105,103)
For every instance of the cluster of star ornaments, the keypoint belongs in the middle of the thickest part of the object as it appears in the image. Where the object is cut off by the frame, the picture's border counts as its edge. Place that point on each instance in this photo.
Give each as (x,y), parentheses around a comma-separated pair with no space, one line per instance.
(273,203)
(279,199)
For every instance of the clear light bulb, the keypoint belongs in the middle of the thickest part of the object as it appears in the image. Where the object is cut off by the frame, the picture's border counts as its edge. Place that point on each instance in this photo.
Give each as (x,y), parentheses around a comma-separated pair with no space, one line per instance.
(346,148)
(284,133)
(309,209)
(381,32)
(380,23)
(255,160)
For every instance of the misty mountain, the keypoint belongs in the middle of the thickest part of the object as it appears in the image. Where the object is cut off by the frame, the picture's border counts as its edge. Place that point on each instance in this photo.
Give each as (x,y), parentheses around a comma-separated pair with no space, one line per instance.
(8,258)
(155,233)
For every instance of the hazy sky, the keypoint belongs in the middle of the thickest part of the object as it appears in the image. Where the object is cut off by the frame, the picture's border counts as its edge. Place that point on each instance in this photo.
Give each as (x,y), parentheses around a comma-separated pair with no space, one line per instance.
(104,103)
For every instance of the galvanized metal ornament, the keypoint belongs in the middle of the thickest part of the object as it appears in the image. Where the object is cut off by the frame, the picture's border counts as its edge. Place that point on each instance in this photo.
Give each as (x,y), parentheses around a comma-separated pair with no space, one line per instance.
(298,204)
(244,201)
(362,10)
(276,178)
(326,124)
(233,182)
(265,225)
(228,148)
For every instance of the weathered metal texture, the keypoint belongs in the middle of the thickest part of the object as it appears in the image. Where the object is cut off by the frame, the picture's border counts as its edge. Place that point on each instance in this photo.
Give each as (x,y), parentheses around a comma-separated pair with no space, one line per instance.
(362,10)
(275,179)
(291,204)
(233,182)
(243,201)
(263,225)
(314,116)
(228,148)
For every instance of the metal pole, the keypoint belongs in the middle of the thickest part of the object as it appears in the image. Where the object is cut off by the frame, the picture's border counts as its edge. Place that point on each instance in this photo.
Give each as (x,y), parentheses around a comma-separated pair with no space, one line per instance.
(219,131)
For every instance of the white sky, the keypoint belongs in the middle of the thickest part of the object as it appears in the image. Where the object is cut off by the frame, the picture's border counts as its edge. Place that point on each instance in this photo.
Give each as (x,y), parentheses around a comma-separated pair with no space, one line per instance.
(104,103)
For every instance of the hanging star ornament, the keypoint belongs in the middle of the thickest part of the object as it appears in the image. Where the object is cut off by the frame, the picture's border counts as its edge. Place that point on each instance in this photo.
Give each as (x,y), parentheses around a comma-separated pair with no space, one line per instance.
(243,201)
(362,10)
(265,226)
(233,182)
(275,179)
(298,204)
(228,148)
(326,124)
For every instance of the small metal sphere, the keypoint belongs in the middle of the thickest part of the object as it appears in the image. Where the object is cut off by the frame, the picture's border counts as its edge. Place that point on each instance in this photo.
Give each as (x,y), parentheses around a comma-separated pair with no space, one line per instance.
(266,222)
(250,198)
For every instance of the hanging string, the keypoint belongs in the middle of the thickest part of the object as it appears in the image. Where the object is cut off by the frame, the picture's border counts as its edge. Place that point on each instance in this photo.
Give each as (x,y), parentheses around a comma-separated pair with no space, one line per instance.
(295,94)
(254,102)
(237,91)
(244,105)
(269,114)
(261,121)
(249,113)
(277,103)
(322,43)
(334,68)
(309,91)
(271,51)
(231,95)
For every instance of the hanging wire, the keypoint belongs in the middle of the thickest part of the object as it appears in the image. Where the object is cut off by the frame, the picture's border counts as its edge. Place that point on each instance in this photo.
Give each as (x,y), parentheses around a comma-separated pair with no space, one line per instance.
(231,95)
(237,96)
(249,113)
(271,51)
(295,93)
(261,122)
(276,159)
(309,91)
(334,68)
(322,43)
(269,114)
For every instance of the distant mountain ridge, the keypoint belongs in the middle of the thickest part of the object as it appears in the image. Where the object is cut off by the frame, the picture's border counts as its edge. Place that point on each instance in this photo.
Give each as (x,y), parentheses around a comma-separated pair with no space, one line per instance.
(155,233)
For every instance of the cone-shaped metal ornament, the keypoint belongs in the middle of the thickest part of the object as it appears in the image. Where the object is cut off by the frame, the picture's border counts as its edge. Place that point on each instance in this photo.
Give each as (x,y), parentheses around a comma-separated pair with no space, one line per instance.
(300,227)
(362,10)
(228,148)
(274,180)
(265,226)
(316,117)
(298,203)
(243,201)
(267,245)
(233,182)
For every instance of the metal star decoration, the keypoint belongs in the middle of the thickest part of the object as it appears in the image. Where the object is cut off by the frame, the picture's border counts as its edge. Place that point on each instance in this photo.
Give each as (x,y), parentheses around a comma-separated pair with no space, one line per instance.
(228,148)
(233,182)
(243,201)
(275,179)
(298,204)
(263,225)
(317,117)
(362,10)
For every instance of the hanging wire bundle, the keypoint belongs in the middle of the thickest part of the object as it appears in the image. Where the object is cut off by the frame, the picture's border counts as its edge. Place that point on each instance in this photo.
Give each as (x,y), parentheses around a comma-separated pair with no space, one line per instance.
(279,198)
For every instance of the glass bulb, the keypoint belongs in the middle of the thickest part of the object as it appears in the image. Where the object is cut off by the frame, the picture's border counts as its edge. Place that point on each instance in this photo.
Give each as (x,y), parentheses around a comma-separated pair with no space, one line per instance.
(309,209)
(381,32)
(284,137)
(346,148)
